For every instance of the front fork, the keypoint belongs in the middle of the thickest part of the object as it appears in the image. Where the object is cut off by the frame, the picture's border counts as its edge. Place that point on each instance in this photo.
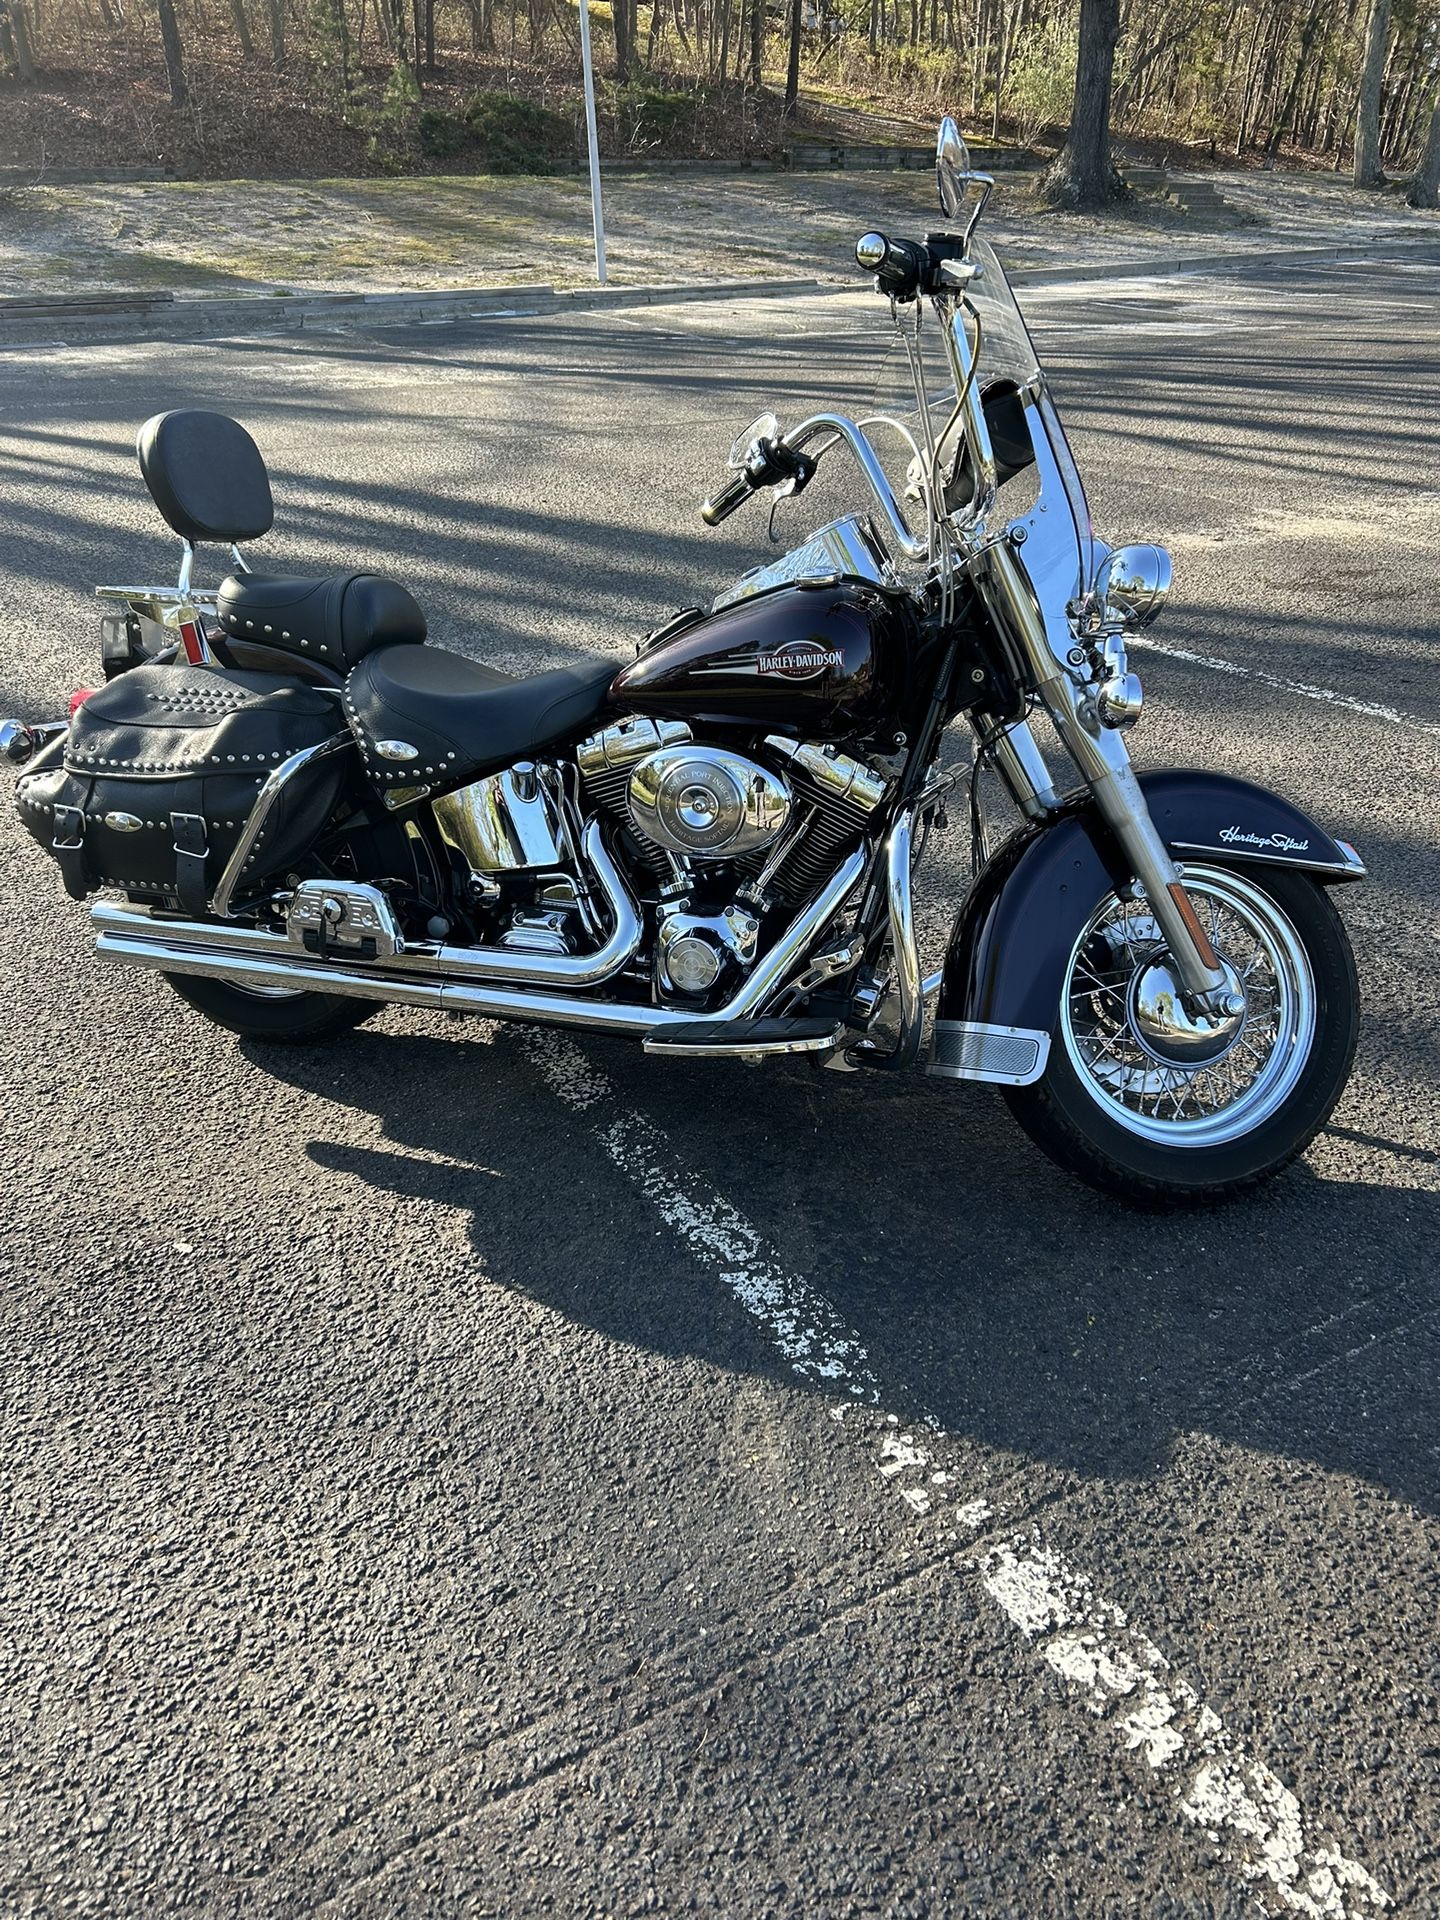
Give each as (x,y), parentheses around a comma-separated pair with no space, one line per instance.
(1104,764)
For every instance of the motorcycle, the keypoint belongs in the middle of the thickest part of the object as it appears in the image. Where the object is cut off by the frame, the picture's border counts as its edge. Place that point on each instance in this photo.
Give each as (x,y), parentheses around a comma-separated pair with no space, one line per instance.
(308,812)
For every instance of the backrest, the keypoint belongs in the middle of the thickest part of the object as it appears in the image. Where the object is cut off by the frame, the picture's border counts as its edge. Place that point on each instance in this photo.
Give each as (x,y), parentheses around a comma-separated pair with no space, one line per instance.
(206,476)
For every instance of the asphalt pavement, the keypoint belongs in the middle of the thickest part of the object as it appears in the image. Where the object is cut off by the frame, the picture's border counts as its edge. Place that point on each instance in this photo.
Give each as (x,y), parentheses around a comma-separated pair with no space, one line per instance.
(458,1471)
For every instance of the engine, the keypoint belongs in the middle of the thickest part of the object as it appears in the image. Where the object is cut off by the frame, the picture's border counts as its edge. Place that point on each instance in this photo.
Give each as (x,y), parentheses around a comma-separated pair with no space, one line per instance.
(726,838)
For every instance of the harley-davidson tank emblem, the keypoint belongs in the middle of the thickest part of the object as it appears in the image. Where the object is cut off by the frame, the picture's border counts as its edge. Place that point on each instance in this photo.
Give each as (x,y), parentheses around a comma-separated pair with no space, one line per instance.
(799,660)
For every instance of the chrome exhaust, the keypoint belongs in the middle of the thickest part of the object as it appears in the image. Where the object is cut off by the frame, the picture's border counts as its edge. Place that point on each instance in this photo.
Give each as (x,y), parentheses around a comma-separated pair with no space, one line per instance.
(132,936)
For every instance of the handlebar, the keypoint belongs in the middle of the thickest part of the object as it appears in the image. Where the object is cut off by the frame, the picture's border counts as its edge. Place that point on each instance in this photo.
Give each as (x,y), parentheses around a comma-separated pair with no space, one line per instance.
(721,505)
(903,268)
(900,267)
(768,463)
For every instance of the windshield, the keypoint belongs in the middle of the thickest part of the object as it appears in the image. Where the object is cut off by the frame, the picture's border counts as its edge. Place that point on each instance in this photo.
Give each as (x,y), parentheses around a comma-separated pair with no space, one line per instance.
(1040,487)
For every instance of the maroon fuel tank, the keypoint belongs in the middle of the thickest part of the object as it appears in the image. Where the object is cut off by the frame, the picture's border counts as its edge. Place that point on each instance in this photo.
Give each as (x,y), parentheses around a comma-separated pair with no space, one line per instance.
(825,660)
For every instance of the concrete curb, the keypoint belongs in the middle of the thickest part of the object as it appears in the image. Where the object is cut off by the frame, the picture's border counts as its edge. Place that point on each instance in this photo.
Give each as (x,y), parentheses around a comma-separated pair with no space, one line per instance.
(48,321)
(55,322)
(1221,261)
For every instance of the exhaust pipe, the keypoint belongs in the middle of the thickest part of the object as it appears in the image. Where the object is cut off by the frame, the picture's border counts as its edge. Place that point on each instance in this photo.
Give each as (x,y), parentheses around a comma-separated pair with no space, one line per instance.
(130,936)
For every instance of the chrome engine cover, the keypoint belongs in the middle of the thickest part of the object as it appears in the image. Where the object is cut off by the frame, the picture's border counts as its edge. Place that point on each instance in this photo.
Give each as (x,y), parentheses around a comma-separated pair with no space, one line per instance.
(693,950)
(706,803)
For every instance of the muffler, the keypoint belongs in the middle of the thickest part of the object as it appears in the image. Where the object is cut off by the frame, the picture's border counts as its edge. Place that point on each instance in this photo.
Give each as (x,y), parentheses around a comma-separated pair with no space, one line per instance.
(133,936)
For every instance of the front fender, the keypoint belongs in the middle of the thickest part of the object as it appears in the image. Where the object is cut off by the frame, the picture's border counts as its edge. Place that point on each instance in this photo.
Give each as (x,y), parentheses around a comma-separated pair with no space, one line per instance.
(1018,926)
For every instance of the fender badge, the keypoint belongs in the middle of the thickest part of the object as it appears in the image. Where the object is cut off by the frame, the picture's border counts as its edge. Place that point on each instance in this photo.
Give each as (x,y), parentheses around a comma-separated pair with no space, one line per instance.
(1281,842)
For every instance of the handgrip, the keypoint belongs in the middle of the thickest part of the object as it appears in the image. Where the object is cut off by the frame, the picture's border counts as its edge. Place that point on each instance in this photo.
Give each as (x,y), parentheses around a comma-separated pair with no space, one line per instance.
(721,505)
(901,267)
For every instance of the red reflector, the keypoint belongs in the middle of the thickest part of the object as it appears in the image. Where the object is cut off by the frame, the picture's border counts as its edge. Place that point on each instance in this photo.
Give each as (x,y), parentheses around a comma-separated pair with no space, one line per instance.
(193,642)
(78,699)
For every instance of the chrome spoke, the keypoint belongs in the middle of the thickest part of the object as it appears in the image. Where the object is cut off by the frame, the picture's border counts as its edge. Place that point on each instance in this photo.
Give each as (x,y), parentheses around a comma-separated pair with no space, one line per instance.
(1129,1074)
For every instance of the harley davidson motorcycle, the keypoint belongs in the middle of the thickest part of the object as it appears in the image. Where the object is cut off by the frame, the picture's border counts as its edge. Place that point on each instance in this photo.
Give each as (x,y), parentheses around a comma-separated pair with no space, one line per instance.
(307,812)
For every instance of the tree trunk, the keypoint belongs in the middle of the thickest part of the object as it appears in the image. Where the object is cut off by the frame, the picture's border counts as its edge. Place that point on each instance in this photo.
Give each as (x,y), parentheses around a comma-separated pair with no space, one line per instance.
(757,41)
(620,20)
(1367,120)
(276,12)
(1285,117)
(1425,187)
(242,29)
(1084,174)
(24,47)
(792,70)
(174,58)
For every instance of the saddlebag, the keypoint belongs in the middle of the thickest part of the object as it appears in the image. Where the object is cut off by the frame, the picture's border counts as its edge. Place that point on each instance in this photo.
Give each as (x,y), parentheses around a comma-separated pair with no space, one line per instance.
(150,789)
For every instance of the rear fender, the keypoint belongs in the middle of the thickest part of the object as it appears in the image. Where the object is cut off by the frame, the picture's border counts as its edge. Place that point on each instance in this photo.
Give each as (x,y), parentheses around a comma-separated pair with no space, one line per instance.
(1014,935)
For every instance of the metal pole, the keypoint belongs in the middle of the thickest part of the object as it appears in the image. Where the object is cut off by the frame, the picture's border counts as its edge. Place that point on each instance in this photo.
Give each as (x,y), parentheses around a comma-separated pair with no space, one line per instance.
(597,212)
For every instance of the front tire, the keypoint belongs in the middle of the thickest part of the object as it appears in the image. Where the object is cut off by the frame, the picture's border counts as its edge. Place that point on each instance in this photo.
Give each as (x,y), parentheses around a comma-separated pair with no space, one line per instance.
(1139,1101)
(273,1015)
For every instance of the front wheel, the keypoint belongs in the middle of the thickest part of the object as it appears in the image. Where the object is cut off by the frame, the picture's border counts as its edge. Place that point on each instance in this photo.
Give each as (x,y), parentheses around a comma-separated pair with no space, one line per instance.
(1140,1099)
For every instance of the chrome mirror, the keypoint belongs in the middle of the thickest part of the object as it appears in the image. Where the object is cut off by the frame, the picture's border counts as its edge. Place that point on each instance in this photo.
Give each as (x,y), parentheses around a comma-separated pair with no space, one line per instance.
(957,179)
(952,167)
(1133,584)
(767,427)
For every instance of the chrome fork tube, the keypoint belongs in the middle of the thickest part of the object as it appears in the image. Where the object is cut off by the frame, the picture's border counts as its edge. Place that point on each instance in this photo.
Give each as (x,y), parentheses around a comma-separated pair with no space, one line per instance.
(899,852)
(1104,765)
(1021,766)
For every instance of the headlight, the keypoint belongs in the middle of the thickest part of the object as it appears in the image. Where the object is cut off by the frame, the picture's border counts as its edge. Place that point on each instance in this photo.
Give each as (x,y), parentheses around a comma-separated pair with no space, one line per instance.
(1133,584)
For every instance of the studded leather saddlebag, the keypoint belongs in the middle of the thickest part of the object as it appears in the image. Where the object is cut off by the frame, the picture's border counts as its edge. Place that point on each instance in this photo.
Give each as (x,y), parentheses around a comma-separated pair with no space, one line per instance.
(150,789)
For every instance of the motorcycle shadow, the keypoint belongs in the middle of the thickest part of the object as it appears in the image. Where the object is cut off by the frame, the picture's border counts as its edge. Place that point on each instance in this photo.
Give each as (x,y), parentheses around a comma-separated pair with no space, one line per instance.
(988,1290)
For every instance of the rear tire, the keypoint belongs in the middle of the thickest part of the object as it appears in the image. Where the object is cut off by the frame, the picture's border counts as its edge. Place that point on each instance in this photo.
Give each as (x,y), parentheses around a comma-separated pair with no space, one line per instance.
(1127,1119)
(289,1018)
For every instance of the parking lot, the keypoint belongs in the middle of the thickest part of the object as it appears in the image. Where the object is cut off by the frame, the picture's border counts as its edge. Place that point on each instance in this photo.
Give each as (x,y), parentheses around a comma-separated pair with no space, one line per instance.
(459,1471)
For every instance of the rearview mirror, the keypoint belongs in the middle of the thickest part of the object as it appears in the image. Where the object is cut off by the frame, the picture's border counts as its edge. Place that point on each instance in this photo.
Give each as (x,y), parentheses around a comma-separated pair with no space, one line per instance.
(767,427)
(952,167)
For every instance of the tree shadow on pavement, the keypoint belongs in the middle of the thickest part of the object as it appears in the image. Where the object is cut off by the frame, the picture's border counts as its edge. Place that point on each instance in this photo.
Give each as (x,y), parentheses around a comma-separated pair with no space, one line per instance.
(988,1290)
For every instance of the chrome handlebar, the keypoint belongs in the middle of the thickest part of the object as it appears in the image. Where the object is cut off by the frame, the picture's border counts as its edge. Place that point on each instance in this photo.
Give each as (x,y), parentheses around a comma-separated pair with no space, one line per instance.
(915,547)
(969,414)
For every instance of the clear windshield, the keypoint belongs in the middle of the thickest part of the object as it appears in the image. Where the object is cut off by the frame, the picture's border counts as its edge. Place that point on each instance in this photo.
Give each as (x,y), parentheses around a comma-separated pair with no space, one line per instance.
(1040,484)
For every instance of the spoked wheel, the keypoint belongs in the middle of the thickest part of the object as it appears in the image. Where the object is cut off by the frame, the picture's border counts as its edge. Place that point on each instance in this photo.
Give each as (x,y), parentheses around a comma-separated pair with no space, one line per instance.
(1142,1099)
(271,1013)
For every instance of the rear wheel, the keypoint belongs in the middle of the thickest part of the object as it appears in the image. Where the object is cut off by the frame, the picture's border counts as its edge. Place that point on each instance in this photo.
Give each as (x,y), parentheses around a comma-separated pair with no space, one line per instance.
(1142,1100)
(271,1013)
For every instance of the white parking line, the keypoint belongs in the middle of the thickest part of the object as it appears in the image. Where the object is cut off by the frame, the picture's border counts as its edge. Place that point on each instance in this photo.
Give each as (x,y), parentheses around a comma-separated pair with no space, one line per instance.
(1372,709)
(1109,1667)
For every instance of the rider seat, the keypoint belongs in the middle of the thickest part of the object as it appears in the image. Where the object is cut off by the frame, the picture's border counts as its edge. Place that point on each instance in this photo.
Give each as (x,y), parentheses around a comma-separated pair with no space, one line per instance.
(336,621)
(423,716)
(207,477)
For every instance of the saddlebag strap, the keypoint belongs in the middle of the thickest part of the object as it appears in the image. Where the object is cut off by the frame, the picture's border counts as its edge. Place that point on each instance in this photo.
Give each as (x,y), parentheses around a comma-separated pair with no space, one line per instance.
(68,847)
(191,849)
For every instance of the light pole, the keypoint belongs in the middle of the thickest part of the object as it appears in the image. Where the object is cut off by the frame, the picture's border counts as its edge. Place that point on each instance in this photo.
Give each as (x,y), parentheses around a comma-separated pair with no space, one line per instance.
(597,212)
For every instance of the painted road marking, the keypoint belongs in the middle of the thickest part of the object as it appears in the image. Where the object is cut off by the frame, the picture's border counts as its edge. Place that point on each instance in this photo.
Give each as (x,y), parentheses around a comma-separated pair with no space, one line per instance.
(1372,709)
(1109,1667)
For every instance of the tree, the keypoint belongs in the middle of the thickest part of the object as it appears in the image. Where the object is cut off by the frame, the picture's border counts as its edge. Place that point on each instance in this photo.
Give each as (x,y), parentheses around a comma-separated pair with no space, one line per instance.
(623,16)
(792,70)
(1368,169)
(1084,174)
(1425,187)
(174,59)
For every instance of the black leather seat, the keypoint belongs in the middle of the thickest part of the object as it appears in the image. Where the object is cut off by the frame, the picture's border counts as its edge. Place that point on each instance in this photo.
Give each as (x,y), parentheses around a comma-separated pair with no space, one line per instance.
(206,476)
(336,621)
(423,716)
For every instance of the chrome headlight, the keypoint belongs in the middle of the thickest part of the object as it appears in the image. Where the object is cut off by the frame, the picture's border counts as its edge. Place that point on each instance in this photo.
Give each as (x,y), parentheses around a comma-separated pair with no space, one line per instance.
(1132,585)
